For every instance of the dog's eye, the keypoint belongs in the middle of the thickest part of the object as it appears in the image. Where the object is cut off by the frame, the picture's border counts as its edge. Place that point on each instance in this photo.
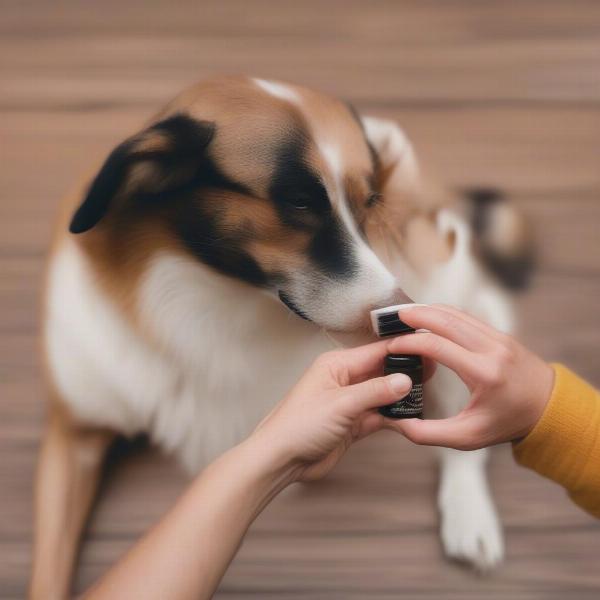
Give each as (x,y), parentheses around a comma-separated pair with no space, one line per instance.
(374,198)
(299,205)
(307,203)
(300,202)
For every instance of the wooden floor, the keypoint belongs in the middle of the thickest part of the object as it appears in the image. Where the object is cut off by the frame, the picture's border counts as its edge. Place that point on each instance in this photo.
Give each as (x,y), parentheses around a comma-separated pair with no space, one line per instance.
(504,93)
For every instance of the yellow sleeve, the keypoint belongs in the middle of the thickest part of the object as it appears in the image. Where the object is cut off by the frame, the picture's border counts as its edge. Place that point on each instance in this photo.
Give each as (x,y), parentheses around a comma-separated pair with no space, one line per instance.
(565,443)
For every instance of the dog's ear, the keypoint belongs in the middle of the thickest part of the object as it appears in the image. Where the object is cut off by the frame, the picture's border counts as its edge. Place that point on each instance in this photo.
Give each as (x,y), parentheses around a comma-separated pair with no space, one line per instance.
(166,156)
(396,162)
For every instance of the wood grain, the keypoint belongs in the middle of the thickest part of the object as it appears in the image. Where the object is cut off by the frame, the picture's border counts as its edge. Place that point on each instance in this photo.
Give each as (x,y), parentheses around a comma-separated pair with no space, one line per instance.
(502,93)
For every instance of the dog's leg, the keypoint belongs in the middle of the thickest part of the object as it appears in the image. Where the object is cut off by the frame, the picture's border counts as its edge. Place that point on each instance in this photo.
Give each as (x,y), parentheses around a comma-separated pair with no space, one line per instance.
(67,476)
(470,527)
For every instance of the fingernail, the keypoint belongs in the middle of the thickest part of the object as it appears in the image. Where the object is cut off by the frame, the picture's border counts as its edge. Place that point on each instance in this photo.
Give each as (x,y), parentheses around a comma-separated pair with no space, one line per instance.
(404,307)
(400,383)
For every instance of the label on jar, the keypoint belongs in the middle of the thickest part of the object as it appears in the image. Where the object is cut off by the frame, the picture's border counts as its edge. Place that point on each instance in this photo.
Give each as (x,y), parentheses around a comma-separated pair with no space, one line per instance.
(409,406)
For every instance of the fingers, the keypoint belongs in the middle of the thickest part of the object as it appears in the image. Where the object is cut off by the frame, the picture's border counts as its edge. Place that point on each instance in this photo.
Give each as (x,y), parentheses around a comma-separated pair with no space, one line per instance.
(368,424)
(359,363)
(375,392)
(363,362)
(452,325)
(438,348)
(481,325)
(462,432)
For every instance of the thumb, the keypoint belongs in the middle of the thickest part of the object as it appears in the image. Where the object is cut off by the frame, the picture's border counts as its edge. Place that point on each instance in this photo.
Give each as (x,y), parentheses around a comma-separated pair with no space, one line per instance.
(460,432)
(377,392)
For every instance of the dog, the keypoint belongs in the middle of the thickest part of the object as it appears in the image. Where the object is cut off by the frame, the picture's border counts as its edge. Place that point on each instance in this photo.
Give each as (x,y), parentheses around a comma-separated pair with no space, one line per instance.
(211,258)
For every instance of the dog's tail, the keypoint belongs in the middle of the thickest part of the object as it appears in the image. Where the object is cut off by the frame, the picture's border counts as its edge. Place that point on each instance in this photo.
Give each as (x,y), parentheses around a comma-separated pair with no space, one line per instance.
(502,236)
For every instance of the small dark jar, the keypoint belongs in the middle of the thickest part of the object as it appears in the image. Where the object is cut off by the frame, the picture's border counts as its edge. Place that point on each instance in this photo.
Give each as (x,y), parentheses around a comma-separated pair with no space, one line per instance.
(411,406)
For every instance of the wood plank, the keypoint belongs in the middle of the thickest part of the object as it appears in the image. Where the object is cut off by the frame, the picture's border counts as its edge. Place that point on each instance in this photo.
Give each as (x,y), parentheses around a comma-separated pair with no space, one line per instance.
(388,52)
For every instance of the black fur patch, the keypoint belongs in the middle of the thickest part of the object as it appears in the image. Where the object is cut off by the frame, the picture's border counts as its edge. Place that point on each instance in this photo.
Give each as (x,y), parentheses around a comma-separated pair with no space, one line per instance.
(482,200)
(295,188)
(514,270)
(331,250)
(176,161)
(201,234)
(103,189)
(296,185)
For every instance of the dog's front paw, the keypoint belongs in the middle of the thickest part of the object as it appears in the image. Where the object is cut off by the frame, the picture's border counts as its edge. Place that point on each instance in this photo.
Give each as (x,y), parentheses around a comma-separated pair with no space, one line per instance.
(470,528)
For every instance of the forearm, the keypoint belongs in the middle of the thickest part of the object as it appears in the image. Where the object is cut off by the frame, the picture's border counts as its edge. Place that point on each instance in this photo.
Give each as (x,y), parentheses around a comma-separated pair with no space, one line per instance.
(186,554)
(565,444)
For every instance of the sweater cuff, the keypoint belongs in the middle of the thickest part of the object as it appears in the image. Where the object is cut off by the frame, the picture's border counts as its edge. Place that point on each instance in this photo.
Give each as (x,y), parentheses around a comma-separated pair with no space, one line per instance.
(563,445)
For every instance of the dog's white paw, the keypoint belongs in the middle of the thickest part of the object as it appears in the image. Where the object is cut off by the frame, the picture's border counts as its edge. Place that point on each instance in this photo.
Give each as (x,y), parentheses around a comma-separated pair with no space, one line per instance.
(470,528)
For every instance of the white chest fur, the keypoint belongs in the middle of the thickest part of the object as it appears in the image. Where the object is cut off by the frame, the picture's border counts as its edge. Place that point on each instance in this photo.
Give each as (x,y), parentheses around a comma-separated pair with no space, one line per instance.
(225,354)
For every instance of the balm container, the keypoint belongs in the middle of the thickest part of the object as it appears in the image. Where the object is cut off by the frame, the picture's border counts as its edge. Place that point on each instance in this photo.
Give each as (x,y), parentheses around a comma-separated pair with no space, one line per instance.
(387,323)
(411,406)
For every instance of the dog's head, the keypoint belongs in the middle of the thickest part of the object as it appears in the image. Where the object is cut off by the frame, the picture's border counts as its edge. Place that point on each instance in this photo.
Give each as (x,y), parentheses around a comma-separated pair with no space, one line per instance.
(268,183)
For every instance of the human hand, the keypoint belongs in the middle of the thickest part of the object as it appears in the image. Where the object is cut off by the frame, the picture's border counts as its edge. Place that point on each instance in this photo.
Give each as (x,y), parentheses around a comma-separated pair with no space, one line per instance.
(332,406)
(305,435)
(510,386)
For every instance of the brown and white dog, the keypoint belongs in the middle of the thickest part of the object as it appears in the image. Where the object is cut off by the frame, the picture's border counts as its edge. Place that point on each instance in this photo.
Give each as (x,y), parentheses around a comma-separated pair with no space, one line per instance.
(191,282)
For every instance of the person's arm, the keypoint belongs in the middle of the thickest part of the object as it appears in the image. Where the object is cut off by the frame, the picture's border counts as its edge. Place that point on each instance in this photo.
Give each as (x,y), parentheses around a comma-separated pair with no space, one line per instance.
(564,445)
(551,416)
(187,552)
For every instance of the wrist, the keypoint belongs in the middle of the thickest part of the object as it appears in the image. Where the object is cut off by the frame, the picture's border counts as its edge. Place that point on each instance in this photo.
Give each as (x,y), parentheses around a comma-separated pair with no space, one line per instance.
(545,385)
(273,449)
(541,392)
(269,469)
(246,474)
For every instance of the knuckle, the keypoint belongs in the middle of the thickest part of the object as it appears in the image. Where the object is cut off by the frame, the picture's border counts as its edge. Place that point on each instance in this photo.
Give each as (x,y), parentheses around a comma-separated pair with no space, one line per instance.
(504,357)
(492,375)
(495,367)
(333,363)
(432,344)
(448,321)
(379,388)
